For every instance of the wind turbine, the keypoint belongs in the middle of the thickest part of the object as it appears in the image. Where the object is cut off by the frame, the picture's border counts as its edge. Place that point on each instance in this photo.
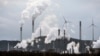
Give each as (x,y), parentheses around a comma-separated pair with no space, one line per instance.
(65,21)
(93,25)
(65,24)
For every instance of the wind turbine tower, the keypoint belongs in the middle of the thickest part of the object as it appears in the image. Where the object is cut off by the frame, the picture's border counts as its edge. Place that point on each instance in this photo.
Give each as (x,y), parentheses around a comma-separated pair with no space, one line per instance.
(93,25)
(65,24)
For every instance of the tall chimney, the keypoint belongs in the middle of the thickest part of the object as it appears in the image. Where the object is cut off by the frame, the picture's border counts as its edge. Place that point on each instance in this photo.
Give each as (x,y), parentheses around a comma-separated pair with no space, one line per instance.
(21,33)
(32,25)
(40,32)
(80,30)
(58,32)
(64,33)
(8,47)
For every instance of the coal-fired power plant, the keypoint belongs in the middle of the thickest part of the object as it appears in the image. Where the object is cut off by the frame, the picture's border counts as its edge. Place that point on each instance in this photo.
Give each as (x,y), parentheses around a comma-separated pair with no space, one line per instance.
(60,45)
(49,26)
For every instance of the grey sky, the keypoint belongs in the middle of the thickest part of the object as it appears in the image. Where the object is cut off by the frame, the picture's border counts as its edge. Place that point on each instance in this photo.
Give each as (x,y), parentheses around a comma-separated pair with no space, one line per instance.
(73,10)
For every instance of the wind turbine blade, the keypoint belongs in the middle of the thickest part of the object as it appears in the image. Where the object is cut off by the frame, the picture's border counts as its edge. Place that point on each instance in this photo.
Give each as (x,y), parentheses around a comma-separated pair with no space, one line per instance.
(64,18)
(63,25)
(90,26)
(95,26)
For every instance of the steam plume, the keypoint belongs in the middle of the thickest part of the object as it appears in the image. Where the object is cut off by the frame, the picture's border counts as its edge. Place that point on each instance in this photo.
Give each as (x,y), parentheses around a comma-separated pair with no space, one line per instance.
(96,44)
(73,47)
(48,25)
(33,9)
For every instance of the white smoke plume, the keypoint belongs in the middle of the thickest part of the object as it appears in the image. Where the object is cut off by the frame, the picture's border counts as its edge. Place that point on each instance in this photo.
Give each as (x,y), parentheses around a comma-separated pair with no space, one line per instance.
(96,44)
(48,25)
(76,48)
(73,47)
(21,22)
(52,35)
(34,8)
(88,49)
(69,47)
(23,44)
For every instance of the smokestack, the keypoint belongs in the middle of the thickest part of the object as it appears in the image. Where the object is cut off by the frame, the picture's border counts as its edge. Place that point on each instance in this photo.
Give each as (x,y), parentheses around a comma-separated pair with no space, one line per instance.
(80,30)
(32,25)
(58,32)
(64,33)
(21,33)
(8,47)
(40,32)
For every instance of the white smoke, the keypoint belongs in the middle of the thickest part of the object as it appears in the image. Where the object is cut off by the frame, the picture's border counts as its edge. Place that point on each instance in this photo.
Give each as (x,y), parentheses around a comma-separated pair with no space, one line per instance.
(52,35)
(69,47)
(21,22)
(34,8)
(76,48)
(73,47)
(88,49)
(48,25)
(96,44)
(23,44)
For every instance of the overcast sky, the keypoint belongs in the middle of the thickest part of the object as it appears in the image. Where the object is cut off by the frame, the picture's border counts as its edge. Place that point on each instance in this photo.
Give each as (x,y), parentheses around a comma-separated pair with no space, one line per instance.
(73,10)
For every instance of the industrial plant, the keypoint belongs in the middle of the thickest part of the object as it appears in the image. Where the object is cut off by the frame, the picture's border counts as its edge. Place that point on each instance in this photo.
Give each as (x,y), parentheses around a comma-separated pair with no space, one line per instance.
(49,28)
(63,44)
